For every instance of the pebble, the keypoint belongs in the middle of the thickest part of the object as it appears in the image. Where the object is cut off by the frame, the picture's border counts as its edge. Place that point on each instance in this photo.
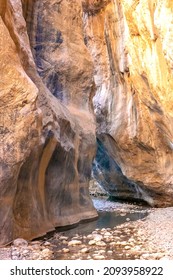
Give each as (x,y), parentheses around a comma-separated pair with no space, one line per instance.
(124,243)
(65,250)
(107,240)
(15,258)
(101,243)
(137,248)
(25,251)
(112,243)
(98,257)
(109,252)
(107,234)
(145,256)
(20,242)
(35,256)
(97,237)
(46,251)
(101,251)
(127,247)
(47,243)
(157,256)
(89,236)
(35,247)
(85,250)
(63,238)
(74,242)
(131,240)
(92,242)
(15,254)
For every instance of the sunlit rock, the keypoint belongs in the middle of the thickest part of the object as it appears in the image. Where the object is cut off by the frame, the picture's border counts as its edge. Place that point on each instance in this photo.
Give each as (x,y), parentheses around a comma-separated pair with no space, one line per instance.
(62,62)
(131,46)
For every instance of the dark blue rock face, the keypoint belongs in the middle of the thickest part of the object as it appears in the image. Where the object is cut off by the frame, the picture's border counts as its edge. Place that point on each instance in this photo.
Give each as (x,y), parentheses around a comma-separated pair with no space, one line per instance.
(55,86)
(46,40)
(109,175)
(63,62)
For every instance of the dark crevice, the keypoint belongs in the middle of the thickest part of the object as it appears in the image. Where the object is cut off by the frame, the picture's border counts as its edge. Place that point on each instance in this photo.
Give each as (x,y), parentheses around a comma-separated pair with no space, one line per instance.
(109,175)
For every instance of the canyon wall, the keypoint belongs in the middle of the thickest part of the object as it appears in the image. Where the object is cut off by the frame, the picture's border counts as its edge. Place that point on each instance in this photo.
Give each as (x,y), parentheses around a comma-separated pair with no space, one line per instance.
(72,71)
(47,148)
(131,46)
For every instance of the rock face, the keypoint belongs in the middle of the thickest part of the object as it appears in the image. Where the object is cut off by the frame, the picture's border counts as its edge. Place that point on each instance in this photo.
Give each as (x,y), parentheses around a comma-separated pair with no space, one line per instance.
(57,56)
(46,150)
(131,48)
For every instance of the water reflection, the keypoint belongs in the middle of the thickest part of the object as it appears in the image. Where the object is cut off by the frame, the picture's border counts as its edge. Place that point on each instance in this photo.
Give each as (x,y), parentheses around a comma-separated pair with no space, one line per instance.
(105,220)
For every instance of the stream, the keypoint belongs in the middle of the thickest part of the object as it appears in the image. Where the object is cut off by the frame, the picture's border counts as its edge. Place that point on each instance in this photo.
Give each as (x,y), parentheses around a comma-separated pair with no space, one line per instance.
(112,236)
(110,214)
(102,238)
(123,231)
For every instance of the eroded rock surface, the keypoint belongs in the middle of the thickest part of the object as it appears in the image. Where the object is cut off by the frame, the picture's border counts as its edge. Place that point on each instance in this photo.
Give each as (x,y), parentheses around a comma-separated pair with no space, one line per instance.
(47,151)
(131,47)
(55,55)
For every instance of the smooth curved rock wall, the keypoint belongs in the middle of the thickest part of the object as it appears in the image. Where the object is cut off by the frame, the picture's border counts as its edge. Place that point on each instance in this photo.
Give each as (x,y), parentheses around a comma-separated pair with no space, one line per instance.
(47,152)
(55,55)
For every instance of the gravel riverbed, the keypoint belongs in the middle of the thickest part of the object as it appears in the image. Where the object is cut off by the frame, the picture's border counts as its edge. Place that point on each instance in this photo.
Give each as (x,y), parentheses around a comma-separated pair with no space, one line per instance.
(149,238)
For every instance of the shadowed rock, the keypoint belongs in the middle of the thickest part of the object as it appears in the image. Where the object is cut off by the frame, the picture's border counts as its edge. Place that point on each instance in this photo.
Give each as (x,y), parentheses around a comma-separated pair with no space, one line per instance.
(46,150)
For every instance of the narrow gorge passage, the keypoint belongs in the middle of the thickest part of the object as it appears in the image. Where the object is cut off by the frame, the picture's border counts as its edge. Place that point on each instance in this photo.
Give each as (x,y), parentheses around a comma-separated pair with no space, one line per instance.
(86,101)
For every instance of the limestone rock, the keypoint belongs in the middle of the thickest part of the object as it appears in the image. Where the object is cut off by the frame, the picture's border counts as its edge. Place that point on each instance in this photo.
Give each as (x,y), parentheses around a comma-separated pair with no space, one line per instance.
(46,150)
(55,55)
(131,46)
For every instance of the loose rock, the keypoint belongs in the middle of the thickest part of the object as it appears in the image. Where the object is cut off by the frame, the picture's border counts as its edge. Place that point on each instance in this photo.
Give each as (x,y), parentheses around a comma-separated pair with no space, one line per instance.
(20,242)
(74,242)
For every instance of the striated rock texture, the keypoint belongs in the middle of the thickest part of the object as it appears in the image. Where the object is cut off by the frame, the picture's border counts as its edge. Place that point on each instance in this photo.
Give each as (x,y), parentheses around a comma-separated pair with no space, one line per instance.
(131,46)
(47,148)
(60,59)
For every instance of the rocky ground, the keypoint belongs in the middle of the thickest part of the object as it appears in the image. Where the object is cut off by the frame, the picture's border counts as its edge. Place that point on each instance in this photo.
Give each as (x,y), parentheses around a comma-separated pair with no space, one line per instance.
(150,238)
